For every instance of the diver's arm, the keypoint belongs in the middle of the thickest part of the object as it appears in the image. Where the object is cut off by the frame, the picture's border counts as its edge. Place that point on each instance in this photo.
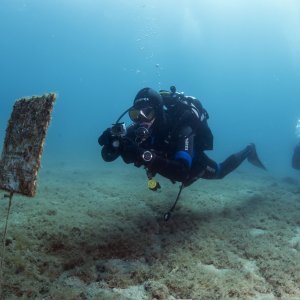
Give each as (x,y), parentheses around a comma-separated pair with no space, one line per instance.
(173,169)
(176,170)
(112,145)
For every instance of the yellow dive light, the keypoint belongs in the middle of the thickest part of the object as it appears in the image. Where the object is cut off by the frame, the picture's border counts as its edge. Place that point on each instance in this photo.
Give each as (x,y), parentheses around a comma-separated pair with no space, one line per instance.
(153,185)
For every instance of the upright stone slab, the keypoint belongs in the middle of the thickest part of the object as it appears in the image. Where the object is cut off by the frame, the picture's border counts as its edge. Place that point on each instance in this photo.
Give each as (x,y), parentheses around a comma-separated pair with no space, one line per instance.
(23,145)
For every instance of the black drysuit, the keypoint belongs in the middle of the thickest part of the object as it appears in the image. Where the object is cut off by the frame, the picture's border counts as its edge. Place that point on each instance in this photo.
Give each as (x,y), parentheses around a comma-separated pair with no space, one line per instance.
(176,153)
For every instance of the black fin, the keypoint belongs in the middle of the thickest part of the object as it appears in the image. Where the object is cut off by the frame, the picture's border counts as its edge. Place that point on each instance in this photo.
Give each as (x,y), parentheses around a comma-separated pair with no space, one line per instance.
(254,159)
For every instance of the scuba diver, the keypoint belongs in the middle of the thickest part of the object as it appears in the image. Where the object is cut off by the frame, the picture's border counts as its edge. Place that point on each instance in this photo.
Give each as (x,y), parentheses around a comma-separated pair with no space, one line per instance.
(168,136)
(296,153)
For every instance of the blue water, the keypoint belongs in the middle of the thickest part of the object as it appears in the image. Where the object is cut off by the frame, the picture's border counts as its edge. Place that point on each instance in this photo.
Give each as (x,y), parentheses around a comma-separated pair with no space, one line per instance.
(241,58)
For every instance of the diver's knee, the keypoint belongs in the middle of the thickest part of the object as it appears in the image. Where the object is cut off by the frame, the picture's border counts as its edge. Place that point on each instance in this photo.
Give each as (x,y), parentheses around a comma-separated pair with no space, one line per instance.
(223,170)
(221,174)
(216,172)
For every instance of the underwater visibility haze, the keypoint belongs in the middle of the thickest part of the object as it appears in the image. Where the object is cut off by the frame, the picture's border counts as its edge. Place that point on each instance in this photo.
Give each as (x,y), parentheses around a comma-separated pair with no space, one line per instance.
(240,58)
(94,229)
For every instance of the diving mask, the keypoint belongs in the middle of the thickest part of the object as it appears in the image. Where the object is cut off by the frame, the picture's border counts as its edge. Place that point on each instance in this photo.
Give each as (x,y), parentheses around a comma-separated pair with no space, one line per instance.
(139,115)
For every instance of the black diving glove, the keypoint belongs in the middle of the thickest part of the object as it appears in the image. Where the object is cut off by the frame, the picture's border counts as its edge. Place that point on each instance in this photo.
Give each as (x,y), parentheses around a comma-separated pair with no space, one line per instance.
(105,139)
(109,153)
(110,146)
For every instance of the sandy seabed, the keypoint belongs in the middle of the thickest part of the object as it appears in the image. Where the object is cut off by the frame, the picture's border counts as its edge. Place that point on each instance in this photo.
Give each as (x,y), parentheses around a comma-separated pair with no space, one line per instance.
(99,233)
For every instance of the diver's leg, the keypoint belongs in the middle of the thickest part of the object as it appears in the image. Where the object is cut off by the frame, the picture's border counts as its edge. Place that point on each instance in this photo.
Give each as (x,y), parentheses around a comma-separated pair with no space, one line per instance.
(296,157)
(206,168)
(234,160)
(203,167)
(213,170)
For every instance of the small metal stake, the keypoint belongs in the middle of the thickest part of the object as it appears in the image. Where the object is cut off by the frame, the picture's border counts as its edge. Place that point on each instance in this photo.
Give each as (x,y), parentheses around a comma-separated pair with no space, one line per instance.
(10,196)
